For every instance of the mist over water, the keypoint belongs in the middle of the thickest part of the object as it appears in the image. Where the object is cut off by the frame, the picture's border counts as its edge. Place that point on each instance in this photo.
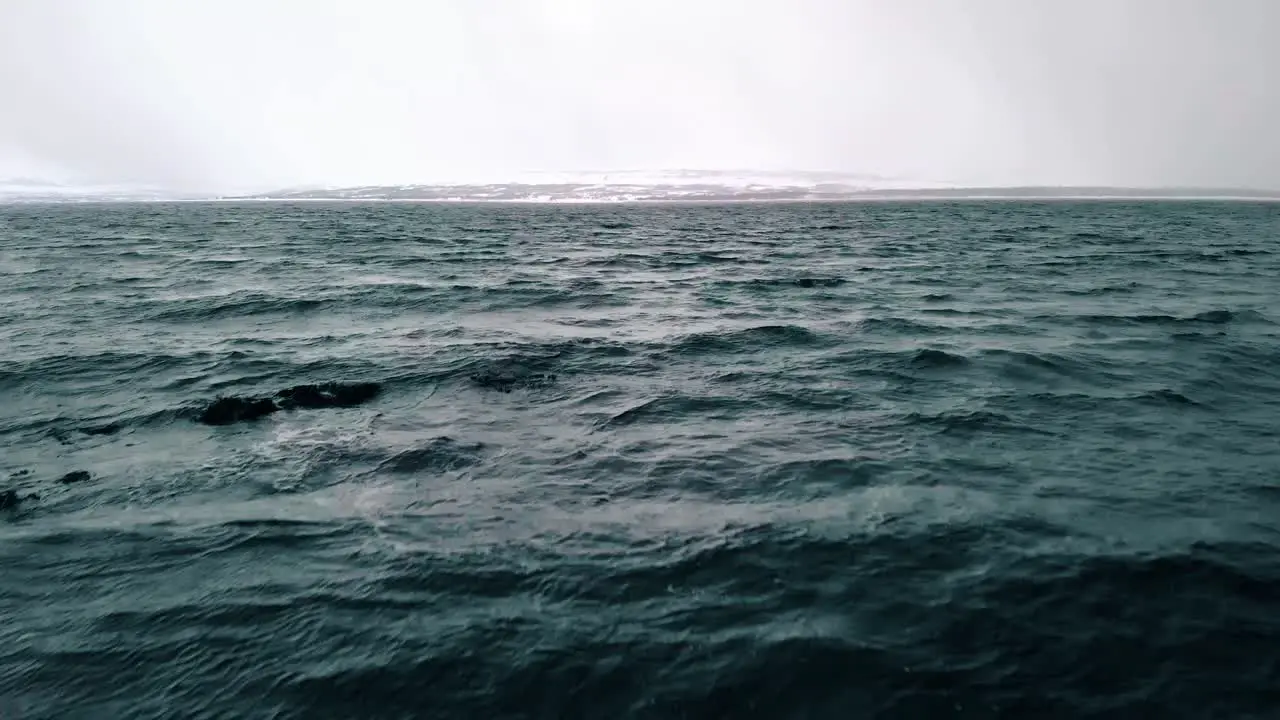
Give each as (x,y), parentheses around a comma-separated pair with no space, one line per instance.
(247,96)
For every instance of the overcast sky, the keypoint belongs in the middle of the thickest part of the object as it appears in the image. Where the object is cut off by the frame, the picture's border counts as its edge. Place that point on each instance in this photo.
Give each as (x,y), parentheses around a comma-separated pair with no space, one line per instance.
(253,93)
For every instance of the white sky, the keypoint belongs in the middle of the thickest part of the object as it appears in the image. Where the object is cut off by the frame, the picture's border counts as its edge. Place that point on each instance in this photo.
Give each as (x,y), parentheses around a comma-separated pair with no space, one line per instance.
(232,94)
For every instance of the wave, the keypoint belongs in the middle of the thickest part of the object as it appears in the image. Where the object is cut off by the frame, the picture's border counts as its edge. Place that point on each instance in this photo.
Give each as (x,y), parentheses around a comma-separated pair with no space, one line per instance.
(401,296)
(442,454)
(239,306)
(679,408)
(1206,317)
(897,326)
(510,367)
(100,365)
(973,421)
(753,339)
(932,618)
(801,282)
(842,472)
(931,358)
(1117,289)
(1099,403)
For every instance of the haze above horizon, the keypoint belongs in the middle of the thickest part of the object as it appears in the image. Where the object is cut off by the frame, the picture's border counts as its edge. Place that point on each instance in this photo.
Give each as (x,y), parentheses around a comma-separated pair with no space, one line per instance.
(245,96)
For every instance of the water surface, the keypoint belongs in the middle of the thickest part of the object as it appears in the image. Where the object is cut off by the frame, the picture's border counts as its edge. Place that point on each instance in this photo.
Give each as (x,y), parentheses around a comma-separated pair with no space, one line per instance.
(948,459)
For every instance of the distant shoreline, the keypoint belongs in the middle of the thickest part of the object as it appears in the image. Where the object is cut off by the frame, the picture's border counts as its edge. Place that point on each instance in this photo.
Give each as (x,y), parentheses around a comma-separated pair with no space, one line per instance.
(752,201)
(577,194)
(647,203)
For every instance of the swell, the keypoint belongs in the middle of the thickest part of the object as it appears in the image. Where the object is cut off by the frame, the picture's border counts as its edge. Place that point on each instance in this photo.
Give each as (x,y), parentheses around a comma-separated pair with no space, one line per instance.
(966,421)
(924,634)
(913,363)
(804,283)
(402,296)
(674,409)
(245,305)
(102,365)
(1139,610)
(1160,398)
(508,367)
(761,338)
(1206,317)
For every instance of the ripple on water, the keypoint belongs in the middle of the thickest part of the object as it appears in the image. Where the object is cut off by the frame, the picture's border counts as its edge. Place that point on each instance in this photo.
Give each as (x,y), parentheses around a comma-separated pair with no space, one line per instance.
(778,460)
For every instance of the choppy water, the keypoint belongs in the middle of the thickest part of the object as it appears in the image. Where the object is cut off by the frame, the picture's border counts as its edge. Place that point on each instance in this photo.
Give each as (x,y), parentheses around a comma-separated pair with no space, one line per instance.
(912,460)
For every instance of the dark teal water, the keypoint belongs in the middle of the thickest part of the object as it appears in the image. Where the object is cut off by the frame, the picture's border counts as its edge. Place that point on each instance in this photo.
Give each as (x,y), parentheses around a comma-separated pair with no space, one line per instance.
(902,460)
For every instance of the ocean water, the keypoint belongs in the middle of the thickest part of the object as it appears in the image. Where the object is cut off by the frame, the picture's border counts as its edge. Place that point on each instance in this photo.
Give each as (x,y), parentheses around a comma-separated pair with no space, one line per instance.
(867,460)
